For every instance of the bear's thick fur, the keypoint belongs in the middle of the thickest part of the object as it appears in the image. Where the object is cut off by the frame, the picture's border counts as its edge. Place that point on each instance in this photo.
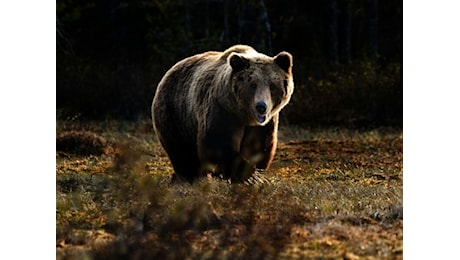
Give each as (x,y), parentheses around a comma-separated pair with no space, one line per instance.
(218,112)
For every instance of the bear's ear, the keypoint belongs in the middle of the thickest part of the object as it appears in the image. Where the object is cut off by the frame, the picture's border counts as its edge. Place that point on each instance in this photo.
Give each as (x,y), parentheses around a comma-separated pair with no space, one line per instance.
(284,60)
(238,62)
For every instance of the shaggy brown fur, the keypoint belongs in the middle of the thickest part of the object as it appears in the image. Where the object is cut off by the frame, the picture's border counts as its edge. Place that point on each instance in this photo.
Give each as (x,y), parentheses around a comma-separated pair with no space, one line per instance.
(218,111)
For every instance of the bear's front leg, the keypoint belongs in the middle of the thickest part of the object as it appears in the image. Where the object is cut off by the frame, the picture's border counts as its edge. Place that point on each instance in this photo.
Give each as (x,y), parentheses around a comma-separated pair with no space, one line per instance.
(221,146)
(259,143)
(237,168)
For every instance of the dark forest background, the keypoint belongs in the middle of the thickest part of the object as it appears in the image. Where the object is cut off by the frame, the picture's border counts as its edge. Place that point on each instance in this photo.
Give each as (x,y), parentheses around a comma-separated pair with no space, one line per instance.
(111,54)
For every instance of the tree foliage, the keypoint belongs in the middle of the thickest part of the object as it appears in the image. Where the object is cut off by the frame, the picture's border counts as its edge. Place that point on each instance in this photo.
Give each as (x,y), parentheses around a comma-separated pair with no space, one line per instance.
(111,54)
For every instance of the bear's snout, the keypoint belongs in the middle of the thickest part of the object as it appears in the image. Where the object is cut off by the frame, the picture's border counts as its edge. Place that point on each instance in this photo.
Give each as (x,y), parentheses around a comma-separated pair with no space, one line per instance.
(261,107)
(261,112)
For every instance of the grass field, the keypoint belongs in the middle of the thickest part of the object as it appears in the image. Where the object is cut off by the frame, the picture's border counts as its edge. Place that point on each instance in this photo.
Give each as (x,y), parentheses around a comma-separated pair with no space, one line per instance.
(329,194)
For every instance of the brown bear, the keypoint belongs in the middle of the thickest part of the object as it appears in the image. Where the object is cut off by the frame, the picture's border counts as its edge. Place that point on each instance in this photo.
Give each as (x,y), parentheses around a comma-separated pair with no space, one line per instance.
(217,112)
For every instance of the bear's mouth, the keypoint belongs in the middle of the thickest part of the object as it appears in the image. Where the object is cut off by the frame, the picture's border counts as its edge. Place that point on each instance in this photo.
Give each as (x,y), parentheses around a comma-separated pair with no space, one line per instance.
(261,117)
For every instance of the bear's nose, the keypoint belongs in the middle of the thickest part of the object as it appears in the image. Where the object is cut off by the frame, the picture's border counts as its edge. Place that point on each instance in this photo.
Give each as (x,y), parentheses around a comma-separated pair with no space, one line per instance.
(261,107)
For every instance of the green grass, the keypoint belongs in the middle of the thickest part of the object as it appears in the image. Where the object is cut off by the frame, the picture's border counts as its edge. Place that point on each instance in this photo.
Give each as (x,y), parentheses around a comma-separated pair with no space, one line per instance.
(330,194)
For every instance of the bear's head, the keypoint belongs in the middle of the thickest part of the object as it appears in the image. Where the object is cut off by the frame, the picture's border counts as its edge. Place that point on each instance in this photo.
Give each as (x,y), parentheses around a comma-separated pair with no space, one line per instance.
(262,85)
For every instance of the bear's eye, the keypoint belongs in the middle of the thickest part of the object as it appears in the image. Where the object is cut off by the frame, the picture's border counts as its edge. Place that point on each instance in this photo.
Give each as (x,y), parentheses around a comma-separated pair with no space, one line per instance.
(272,87)
(253,86)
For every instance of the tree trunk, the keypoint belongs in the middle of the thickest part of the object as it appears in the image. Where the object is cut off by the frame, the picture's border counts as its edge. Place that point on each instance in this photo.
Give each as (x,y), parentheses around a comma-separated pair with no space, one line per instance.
(347,38)
(268,31)
(225,36)
(332,31)
(373,29)
(206,21)
(241,12)
(187,28)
